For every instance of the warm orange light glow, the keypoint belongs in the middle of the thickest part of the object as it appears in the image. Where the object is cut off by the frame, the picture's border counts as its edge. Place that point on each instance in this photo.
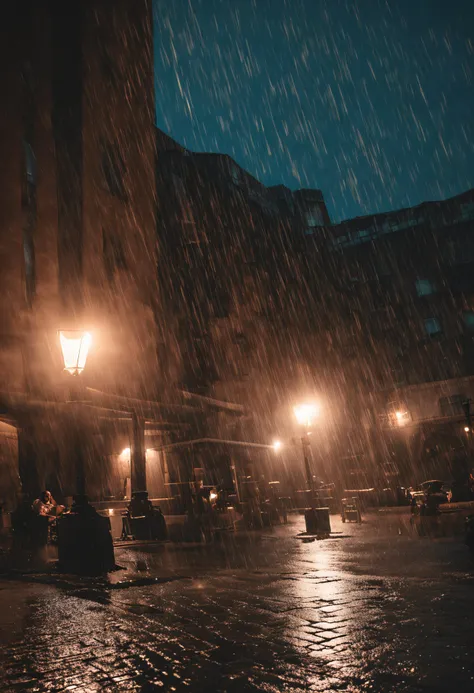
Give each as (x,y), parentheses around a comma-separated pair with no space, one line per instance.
(277,444)
(306,413)
(466,429)
(126,451)
(75,345)
(402,417)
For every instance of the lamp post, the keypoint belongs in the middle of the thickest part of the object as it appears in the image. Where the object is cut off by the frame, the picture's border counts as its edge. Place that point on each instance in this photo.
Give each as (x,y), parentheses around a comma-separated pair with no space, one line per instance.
(75,345)
(84,539)
(316,519)
(305,415)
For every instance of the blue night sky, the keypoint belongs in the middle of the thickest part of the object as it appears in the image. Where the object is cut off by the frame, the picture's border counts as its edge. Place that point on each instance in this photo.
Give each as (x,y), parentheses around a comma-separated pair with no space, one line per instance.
(370,101)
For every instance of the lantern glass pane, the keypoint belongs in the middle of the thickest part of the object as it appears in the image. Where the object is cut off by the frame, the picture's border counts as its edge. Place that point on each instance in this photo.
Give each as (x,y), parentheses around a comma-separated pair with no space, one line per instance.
(75,347)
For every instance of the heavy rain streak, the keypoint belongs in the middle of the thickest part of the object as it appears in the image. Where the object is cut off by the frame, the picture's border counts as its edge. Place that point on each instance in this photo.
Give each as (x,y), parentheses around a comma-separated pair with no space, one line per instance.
(237,346)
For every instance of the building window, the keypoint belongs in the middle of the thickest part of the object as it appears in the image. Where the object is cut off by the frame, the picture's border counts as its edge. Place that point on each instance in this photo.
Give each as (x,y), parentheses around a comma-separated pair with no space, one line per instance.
(28,204)
(185,213)
(398,375)
(235,174)
(220,303)
(364,234)
(432,327)
(400,225)
(30,163)
(468,319)
(461,251)
(424,287)
(382,266)
(241,352)
(467,211)
(107,63)
(451,406)
(113,254)
(314,218)
(113,170)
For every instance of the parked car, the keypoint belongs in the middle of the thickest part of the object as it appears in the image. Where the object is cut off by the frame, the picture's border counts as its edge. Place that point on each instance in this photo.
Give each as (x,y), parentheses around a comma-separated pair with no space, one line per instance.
(432,487)
(428,496)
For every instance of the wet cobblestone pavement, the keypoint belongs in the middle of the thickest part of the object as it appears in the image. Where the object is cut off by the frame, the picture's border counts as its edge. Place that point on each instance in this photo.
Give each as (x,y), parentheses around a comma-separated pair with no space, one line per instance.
(367,611)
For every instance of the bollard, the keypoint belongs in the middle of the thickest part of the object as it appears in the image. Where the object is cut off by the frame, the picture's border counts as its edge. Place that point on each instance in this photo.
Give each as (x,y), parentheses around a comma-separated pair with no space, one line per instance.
(85,544)
(317,521)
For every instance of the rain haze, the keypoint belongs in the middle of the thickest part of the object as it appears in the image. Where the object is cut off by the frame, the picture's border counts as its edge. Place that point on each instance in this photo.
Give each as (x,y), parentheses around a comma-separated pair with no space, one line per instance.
(237,346)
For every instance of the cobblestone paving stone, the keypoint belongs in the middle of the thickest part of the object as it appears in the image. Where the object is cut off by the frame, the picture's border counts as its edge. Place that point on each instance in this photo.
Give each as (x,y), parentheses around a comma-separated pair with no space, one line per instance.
(369,611)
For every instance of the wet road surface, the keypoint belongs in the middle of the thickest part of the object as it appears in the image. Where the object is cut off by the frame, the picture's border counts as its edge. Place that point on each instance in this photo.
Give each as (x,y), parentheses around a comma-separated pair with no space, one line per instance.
(368,610)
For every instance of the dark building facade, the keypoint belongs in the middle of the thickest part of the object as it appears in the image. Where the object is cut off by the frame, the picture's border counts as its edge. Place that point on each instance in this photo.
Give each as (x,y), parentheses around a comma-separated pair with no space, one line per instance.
(183,266)
(233,286)
(403,292)
(77,229)
(202,287)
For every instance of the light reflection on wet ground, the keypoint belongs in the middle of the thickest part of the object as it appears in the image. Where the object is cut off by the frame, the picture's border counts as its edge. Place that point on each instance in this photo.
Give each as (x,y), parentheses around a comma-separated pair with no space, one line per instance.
(371,612)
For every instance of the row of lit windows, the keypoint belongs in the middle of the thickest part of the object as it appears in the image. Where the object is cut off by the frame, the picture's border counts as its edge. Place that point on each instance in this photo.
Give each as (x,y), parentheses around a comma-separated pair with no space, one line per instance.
(452,405)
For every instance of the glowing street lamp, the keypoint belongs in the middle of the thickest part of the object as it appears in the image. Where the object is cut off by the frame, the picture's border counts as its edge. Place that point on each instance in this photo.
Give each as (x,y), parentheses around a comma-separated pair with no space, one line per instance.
(277,445)
(75,345)
(401,417)
(83,525)
(306,413)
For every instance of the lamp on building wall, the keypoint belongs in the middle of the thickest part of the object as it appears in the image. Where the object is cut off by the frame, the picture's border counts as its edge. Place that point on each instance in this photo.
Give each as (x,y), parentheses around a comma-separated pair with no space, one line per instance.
(75,345)
(401,417)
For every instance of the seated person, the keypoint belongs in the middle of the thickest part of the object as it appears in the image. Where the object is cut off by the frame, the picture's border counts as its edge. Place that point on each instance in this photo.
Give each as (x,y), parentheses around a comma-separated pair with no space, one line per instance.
(140,505)
(46,506)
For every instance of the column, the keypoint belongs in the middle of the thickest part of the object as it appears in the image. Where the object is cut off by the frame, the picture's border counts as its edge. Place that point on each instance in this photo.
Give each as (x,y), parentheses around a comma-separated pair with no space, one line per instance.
(79,460)
(138,454)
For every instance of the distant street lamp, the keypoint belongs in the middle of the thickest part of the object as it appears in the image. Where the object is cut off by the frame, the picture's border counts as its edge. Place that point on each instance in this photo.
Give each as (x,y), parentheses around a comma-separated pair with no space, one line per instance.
(316,519)
(466,405)
(305,415)
(400,417)
(277,445)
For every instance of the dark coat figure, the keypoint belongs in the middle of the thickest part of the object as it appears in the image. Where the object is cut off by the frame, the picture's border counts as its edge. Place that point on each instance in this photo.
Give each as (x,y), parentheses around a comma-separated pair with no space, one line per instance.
(30,530)
(460,488)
